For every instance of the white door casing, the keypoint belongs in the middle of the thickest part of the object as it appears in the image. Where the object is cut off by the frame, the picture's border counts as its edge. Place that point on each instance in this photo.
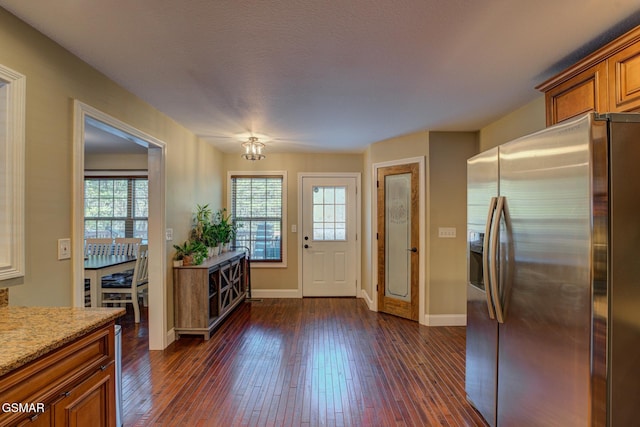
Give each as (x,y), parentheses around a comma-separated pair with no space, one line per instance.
(328,238)
(158,336)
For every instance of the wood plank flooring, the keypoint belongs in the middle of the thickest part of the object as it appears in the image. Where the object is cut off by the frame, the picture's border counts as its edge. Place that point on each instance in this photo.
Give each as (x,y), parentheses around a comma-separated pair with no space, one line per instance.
(299,362)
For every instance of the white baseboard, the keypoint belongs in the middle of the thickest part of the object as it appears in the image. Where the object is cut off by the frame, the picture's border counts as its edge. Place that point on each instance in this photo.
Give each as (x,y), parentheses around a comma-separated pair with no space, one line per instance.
(171,336)
(367,299)
(275,293)
(445,319)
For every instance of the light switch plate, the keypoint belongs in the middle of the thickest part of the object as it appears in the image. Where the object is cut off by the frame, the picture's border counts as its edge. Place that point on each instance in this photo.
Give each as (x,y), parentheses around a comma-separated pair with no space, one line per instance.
(168,235)
(447,232)
(64,248)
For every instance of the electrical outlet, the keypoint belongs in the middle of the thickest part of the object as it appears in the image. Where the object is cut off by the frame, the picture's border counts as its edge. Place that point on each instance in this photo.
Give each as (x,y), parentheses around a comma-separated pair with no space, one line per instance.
(447,232)
(64,248)
(168,235)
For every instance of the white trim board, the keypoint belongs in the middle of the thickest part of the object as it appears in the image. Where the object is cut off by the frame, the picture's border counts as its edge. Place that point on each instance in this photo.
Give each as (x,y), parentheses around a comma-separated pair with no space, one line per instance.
(13,87)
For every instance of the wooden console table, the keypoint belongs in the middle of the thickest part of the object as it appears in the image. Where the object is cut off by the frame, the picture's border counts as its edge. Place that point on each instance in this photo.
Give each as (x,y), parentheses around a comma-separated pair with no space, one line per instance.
(205,294)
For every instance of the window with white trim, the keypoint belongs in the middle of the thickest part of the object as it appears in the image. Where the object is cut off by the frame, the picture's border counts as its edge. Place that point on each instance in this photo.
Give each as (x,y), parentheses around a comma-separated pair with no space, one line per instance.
(258,207)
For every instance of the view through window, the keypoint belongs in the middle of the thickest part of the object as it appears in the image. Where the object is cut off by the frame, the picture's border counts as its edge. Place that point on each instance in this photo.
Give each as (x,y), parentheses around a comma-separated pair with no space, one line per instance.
(256,206)
(116,207)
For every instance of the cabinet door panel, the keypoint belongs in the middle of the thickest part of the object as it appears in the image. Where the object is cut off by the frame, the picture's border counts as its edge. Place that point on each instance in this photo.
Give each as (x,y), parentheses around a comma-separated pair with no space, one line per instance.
(91,403)
(624,79)
(581,94)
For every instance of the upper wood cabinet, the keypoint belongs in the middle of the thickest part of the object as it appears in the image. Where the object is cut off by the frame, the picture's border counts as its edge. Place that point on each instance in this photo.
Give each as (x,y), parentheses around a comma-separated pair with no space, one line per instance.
(624,79)
(608,80)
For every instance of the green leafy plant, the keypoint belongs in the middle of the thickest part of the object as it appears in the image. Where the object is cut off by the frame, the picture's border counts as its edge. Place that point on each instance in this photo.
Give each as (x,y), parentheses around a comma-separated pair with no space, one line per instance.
(201,221)
(191,252)
(225,225)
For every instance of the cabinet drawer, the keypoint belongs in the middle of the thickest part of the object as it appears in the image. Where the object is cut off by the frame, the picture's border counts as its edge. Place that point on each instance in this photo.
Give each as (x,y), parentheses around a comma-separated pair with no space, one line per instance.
(45,379)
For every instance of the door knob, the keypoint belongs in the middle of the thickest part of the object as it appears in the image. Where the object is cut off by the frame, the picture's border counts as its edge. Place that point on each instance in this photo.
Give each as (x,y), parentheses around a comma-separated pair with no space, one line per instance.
(307,246)
(414,250)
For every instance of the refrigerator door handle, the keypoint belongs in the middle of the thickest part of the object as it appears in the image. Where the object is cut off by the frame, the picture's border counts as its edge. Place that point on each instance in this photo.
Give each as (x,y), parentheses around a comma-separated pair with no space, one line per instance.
(486,277)
(493,253)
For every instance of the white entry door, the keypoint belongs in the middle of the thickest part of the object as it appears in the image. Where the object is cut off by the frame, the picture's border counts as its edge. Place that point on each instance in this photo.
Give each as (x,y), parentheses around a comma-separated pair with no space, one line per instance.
(329,264)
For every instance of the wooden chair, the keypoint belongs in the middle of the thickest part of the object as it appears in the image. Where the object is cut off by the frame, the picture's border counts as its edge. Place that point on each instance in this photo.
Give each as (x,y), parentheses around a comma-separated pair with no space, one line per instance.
(126,246)
(125,289)
(98,247)
(95,246)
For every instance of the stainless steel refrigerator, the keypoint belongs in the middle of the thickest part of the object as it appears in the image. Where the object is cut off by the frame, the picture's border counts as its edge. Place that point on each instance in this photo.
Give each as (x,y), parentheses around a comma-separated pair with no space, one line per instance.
(553,313)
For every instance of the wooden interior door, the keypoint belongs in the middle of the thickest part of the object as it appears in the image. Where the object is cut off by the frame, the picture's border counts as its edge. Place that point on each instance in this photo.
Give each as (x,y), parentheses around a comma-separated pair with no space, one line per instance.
(398,240)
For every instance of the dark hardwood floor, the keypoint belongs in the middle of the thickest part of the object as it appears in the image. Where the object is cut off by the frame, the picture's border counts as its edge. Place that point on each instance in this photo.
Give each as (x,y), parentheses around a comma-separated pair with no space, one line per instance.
(299,362)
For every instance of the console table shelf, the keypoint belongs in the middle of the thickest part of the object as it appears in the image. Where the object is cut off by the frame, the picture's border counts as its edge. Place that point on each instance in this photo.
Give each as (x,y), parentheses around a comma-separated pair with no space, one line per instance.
(205,294)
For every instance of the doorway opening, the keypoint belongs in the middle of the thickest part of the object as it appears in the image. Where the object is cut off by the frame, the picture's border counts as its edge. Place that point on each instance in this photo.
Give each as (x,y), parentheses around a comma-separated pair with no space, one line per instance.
(84,117)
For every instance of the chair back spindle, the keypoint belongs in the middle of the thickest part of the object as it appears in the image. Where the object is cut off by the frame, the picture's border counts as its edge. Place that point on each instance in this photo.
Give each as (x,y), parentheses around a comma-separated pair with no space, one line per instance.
(98,247)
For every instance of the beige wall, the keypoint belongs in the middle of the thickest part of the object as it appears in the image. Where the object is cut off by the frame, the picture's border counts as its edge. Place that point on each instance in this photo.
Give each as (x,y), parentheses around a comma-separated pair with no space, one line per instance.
(115,162)
(287,278)
(54,79)
(523,121)
(447,207)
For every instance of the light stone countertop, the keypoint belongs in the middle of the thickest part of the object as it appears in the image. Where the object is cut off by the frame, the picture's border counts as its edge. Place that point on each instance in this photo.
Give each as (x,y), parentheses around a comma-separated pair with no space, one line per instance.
(27,333)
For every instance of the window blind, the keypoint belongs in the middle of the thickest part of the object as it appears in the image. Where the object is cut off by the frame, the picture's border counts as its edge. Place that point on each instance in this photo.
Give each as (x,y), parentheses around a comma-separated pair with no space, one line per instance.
(256,206)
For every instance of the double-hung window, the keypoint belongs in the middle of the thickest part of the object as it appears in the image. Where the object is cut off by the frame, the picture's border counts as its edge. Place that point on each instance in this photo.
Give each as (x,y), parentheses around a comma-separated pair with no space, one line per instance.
(258,206)
(116,207)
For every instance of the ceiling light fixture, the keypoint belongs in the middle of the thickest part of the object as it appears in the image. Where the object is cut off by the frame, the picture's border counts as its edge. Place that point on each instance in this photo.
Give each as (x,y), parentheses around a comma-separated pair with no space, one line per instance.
(253,149)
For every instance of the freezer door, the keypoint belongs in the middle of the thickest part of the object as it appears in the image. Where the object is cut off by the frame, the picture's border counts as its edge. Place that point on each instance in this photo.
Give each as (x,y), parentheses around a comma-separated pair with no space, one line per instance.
(544,347)
(624,274)
(482,330)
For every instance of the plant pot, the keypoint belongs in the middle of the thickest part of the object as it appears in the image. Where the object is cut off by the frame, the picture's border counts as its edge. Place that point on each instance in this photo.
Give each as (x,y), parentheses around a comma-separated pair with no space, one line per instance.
(177,263)
(215,251)
(187,260)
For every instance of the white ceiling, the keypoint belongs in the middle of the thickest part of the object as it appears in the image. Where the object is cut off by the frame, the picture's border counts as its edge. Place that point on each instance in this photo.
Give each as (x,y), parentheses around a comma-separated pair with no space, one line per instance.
(332,75)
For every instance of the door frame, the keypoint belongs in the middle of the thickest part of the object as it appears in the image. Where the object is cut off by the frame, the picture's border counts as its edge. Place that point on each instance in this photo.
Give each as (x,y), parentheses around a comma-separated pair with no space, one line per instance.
(359,240)
(156,157)
(422,224)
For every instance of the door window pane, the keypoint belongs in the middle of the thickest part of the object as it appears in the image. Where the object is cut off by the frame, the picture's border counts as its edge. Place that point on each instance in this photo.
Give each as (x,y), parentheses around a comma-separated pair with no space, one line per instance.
(329,213)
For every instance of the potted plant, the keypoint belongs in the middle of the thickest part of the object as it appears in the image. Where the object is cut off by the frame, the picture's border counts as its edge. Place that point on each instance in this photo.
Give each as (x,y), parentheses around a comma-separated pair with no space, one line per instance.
(200,222)
(223,221)
(211,238)
(192,252)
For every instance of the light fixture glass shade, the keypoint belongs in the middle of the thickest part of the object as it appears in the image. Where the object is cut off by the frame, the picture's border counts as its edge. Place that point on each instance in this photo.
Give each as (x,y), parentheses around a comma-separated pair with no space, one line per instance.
(253,149)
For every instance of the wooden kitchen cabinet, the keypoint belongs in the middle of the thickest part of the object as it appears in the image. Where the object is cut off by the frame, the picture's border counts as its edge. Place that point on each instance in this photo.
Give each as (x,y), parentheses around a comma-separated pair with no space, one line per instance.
(624,79)
(75,384)
(205,294)
(585,92)
(608,80)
